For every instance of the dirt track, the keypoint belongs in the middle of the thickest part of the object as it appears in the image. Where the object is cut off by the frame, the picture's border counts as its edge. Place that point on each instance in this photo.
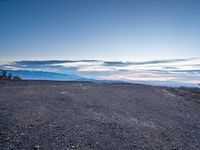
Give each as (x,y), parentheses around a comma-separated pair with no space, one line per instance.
(76,115)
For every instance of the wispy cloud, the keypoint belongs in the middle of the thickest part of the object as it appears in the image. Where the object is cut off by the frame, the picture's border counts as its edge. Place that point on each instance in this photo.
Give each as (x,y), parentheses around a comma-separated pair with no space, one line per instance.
(49,62)
(181,70)
(120,63)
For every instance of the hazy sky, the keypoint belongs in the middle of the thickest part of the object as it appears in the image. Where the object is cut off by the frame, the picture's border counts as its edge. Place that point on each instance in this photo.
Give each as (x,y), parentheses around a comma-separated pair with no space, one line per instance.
(125,30)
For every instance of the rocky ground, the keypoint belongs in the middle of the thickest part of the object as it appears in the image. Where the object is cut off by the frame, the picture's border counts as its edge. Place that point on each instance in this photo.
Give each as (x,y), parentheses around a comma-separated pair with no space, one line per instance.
(51,115)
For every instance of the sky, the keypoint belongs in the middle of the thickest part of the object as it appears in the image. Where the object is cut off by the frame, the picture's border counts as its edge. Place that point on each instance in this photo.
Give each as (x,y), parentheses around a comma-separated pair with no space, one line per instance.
(128,40)
(112,30)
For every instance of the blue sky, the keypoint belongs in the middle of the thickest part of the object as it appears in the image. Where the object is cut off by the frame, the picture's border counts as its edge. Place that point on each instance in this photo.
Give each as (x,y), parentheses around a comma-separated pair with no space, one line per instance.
(112,30)
(129,40)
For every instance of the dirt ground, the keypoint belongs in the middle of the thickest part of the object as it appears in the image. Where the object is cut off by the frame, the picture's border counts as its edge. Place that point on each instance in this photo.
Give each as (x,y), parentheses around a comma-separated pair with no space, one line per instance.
(50,115)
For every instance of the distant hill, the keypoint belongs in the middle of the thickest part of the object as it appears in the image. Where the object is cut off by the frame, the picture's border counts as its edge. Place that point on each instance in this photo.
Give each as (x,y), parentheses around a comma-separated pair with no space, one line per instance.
(41,75)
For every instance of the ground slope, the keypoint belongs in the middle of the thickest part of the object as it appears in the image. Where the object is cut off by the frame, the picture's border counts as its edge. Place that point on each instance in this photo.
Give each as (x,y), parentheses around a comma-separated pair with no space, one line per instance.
(78,115)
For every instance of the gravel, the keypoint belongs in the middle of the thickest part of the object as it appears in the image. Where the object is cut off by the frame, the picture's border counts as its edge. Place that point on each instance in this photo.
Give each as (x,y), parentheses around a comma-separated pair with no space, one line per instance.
(53,115)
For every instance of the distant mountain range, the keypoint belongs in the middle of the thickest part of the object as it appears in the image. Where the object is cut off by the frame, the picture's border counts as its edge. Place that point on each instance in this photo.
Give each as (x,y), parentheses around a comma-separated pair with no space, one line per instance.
(42,75)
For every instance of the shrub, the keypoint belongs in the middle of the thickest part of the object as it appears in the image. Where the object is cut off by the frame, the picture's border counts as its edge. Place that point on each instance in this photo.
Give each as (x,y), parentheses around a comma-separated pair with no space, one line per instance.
(10,76)
(5,76)
(16,78)
(1,77)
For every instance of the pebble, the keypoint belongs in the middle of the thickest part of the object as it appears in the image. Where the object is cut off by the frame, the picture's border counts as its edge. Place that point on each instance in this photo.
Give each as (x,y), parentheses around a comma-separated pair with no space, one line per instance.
(72,146)
(37,147)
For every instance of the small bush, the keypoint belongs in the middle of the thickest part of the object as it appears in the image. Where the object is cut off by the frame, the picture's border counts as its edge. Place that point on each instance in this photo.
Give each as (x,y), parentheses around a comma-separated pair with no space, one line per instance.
(5,76)
(10,76)
(16,78)
(1,76)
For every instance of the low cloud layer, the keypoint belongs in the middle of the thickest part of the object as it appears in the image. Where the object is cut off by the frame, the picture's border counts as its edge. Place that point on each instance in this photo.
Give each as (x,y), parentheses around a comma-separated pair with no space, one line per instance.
(119,63)
(176,70)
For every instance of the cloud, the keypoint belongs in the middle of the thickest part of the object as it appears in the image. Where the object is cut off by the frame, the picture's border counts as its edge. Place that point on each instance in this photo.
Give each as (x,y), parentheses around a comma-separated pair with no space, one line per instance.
(87,65)
(120,63)
(116,63)
(196,65)
(47,65)
(159,70)
(50,66)
(188,71)
(169,67)
(49,62)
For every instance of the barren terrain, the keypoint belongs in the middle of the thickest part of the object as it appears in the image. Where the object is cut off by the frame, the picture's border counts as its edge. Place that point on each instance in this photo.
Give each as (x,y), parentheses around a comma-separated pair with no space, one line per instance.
(50,115)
